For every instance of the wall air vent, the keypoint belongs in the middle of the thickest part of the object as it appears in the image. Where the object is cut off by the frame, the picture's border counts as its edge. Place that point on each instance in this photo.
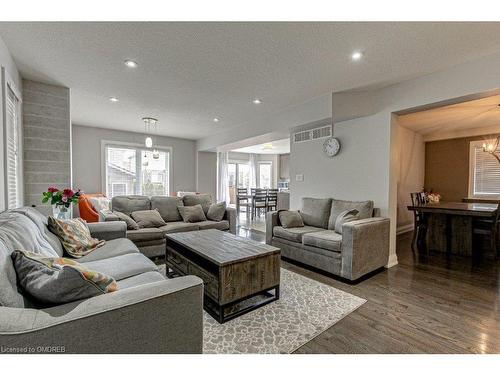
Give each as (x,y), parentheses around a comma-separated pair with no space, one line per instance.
(302,136)
(312,134)
(323,132)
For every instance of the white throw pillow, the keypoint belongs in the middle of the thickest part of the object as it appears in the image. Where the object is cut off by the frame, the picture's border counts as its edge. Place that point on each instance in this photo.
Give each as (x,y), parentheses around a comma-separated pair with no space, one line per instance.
(100,203)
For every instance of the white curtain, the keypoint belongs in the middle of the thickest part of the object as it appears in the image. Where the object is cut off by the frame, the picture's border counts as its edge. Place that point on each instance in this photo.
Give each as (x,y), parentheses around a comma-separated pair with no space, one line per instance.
(253,170)
(222,178)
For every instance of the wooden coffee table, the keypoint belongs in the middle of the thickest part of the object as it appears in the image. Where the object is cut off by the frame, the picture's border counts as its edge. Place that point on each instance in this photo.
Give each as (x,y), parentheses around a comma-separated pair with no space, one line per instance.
(239,274)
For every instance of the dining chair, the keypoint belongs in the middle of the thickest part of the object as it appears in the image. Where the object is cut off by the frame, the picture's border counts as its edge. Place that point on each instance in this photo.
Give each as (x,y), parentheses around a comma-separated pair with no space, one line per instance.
(272,199)
(489,228)
(259,202)
(419,224)
(242,200)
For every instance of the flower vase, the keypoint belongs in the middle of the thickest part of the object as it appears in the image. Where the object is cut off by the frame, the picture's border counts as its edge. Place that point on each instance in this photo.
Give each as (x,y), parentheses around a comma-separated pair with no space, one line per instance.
(61,212)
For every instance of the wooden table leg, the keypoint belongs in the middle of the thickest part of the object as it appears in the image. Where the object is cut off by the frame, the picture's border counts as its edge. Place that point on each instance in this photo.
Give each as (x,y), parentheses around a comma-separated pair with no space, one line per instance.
(448,235)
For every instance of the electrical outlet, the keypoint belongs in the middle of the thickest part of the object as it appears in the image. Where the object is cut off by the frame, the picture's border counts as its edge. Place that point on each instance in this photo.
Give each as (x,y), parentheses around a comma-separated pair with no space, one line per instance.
(299,177)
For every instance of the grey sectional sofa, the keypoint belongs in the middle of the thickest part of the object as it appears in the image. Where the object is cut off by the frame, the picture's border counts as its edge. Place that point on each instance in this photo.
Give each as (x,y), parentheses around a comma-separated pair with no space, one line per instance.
(151,241)
(362,247)
(148,314)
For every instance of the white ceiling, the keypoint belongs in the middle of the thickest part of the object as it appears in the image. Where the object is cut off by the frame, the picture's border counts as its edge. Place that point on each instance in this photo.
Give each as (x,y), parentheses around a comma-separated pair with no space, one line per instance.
(281,146)
(480,114)
(190,73)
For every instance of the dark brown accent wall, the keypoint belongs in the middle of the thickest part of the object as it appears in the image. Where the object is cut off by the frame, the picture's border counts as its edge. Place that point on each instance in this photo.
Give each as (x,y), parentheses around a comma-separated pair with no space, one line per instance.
(447,167)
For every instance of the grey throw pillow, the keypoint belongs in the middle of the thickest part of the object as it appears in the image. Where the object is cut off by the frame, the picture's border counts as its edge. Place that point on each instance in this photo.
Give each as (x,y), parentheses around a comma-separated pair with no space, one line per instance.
(131,224)
(148,219)
(205,200)
(216,211)
(345,217)
(52,281)
(365,209)
(192,214)
(290,219)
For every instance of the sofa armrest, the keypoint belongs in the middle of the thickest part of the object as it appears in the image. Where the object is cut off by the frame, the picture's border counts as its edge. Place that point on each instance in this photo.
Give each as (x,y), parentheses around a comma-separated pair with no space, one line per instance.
(365,246)
(230,216)
(160,317)
(108,216)
(108,230)
(272,220)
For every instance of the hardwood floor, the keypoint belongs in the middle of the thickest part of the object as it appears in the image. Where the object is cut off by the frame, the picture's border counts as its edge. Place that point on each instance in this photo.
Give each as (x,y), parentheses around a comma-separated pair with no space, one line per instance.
(419,306)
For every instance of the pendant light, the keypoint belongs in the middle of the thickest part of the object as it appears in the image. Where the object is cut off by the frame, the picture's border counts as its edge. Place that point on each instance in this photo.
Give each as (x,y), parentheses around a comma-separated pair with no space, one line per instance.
(149,124)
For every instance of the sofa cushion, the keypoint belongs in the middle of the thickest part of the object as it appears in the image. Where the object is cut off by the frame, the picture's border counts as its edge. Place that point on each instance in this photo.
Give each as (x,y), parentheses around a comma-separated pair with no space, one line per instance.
(111,248)
(365,209)
(345,217)
(192,214)
(123,266)
(9,294)
(148,219)
(209,224)
(216,211)
(294,234)
(145,234)
(315,211)
(290,219)
(167,207)
(58,280)
(131,223)
(75,236)
(41,222)
(205,200)
(325,239)
(179,226)
(143,278)
(130,203)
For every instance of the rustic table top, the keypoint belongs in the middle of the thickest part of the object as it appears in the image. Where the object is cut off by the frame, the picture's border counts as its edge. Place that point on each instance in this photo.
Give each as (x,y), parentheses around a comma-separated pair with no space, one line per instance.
(221,248)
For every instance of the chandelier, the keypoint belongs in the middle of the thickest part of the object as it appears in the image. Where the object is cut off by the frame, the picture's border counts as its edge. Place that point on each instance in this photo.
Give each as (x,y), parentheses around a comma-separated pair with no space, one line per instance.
(492,148)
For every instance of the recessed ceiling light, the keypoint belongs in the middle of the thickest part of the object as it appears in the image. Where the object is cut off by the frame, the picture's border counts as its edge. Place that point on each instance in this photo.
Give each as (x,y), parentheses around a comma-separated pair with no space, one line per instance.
(113,99)
(356,56)
(257,101)
(130,63)
(216,119)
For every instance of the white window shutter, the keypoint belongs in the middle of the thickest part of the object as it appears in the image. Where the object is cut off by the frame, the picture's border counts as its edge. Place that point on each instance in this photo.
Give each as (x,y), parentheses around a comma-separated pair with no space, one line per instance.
(13,149)
(486,173)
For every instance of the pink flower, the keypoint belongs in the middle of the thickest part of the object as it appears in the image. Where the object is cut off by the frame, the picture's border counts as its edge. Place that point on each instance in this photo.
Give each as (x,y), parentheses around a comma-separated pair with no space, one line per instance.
(68,193)
(53,189)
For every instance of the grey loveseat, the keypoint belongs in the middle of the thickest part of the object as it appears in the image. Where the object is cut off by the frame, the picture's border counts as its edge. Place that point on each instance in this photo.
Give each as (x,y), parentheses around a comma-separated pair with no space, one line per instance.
(148,314)
(151,241)
(362,247)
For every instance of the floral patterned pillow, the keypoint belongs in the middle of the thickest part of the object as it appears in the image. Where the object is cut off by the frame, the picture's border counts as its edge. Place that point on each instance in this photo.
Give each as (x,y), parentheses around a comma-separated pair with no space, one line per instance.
(75,236)
(58,280)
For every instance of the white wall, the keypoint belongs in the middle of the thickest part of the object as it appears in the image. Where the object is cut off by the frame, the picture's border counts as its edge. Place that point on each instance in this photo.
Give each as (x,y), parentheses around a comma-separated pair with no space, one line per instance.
(359,172)
(411,157)
(86,151)
(9,65)
(206,173)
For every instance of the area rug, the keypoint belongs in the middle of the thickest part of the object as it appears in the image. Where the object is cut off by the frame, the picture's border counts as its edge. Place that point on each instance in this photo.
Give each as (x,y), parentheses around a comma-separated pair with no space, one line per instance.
(305,309)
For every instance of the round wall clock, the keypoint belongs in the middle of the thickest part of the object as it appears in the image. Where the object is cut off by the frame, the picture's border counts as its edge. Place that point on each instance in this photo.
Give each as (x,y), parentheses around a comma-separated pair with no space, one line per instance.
(331,147)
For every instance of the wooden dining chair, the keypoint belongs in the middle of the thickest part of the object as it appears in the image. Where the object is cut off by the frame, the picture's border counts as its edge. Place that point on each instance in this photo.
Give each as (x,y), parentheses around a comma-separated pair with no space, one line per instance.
(489,228)
(243,200)
(259,202)
(272,199)
(419,224)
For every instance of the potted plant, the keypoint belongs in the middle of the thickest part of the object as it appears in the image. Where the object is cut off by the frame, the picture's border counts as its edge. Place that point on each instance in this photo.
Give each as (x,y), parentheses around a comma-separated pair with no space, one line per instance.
(61,201)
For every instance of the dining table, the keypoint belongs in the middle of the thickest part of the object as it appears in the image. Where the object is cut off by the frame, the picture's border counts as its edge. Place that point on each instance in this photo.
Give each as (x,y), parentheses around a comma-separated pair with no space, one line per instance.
(449,225)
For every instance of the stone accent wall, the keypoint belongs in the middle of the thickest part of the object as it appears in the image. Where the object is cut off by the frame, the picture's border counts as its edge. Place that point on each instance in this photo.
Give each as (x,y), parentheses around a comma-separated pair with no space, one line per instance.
(47,139)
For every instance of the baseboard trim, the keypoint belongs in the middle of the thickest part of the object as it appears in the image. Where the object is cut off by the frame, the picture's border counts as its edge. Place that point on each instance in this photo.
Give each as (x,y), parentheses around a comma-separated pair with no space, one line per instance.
(393,261)
(404,229)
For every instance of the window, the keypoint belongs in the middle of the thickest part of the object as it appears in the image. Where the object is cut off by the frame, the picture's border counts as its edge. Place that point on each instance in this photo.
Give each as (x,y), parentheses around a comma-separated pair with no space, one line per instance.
(135,170)
(484,175)
(265,175)
(13,170)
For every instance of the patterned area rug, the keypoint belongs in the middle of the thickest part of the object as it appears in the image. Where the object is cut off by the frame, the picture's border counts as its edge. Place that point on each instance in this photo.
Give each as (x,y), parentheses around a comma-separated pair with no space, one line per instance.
(305,309)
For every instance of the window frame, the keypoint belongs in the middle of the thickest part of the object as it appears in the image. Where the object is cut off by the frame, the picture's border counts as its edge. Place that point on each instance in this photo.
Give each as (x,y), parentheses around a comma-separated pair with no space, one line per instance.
(8,83)
(107,143)
(472,167)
